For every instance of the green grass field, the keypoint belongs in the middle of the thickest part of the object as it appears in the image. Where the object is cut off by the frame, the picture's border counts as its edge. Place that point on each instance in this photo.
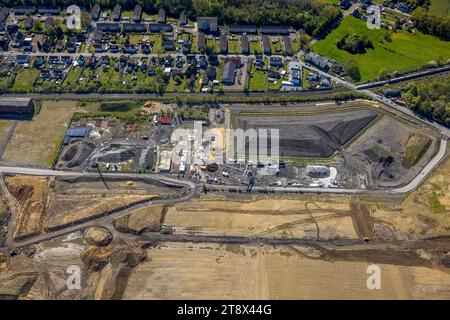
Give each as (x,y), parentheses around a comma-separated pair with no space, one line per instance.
(441,7)
(25,79)
(405,52)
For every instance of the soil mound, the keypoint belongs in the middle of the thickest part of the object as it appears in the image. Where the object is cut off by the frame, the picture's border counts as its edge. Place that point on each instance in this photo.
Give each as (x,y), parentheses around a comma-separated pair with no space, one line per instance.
(97,236)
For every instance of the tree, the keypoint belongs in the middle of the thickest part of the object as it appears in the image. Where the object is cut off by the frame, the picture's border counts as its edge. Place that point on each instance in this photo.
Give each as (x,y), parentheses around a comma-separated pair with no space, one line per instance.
(352,69)
(37,26)
(384,73)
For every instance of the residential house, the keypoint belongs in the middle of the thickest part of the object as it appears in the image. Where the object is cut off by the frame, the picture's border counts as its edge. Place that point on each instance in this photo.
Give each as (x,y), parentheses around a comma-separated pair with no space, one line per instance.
(98,36)
(259,61)
(275,30)
(4,13)
(325,82)
(18,40)
(134,27)
(23,10)
(183,19)
(151,70)
(46,46)
(92,63)
(39,61)
(23,59)
(145,48)
(276,62)
(345,4)
(210,75)
(100,47)
(46,10)
(295,73)
(130,49)
(114,48)
(137,13)
(186,46)
(12,29)
(287,45)
(67,60)
(117,12)
(4,41)
(105,61)
(245,44)
(71,45)
(80,61)
(59,74)
(108,26)
(158,27)
(202,62)
(81,37)
(201,41)
(161,16)
(28,24)
(317,60)
(95,12)
(27,45)
(223,44)
(48,23)
(169,45)
(207,24)
(247,29)
(313,77)
(266,45)
(229,72)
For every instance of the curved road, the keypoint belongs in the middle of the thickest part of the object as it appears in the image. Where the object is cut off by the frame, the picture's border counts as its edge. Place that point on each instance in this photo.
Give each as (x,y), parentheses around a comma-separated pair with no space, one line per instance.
(190,187)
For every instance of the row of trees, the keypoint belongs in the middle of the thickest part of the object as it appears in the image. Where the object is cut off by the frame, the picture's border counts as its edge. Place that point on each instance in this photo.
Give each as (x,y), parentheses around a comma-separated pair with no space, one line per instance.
(314,16)
(431,23)
(430,99)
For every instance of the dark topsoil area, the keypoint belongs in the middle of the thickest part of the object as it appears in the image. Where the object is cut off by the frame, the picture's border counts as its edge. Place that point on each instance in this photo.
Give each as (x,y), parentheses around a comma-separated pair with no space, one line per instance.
(311,135)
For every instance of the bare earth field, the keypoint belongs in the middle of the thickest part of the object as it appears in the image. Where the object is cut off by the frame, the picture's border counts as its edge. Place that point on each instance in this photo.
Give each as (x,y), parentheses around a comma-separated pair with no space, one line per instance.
(424,213)
(209,271)
(264,217)
(36,141)
(30,194)
(409,149)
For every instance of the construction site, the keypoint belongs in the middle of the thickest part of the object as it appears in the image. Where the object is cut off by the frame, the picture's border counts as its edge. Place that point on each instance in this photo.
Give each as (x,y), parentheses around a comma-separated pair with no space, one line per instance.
(139,225)
(229,246)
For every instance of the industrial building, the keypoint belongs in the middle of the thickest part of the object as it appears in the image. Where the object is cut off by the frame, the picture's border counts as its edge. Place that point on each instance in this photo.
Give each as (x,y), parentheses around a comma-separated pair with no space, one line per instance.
(76,133)
(165,161)
(16,105)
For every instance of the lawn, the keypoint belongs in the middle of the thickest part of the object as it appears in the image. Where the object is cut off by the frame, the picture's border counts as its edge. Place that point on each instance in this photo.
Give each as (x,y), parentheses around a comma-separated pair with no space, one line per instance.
(258,80)
(234,46)
(156,41)
(255,47)
(277,47)
(25,79)
(405,52)
(416,147)
(37,141)
(441,7)
(435,204)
